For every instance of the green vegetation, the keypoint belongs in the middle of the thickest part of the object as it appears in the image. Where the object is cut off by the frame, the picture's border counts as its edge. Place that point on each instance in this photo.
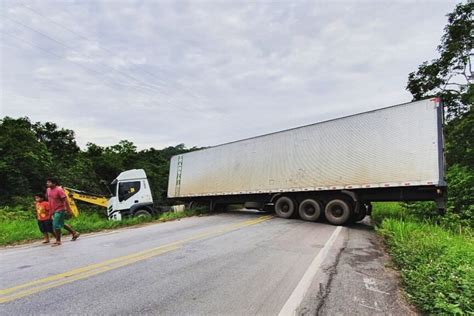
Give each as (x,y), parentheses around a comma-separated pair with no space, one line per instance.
(31,152)
(435,252)
(450,77)
(392,210)
(436,263)
(18,225)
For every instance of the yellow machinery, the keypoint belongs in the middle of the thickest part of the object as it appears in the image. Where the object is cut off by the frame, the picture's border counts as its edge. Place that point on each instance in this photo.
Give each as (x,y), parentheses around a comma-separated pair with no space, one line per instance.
(77,195)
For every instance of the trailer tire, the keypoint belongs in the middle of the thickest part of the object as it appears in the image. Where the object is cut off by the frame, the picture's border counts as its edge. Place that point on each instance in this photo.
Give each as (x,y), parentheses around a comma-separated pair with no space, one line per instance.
(285,207)
(309,210)
(362,213)
(142,214)
(338,212)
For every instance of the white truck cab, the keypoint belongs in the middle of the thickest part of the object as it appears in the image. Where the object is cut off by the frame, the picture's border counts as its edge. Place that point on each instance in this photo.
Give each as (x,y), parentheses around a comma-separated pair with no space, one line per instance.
(131,196)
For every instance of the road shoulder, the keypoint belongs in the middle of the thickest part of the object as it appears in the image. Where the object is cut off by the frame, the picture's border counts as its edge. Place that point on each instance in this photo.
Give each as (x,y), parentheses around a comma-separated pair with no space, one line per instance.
(356,279)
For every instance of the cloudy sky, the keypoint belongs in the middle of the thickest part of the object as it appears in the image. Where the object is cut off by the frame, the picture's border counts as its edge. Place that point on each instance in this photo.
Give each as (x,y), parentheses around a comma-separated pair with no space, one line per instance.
(161,73)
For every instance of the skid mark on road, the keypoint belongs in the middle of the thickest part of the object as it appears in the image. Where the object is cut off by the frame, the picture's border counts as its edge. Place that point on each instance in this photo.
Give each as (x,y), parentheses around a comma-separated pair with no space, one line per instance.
(39,285)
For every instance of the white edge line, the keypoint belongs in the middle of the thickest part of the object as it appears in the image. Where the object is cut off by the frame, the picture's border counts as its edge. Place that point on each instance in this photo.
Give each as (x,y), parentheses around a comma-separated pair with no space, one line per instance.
(299,292)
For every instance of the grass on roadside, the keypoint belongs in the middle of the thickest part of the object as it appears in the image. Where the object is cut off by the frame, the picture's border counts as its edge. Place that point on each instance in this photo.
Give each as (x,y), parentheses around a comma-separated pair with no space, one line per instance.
(25,228)
(436,265)
(383,210)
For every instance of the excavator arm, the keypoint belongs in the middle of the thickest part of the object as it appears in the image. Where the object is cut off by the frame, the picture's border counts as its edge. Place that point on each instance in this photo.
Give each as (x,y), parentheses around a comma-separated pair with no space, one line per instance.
(78,195)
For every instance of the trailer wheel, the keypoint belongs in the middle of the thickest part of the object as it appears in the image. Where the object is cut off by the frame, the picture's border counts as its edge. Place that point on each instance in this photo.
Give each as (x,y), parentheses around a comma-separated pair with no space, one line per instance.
(362,213)
(285,207)
(309,210)
(142,214)
(338,212)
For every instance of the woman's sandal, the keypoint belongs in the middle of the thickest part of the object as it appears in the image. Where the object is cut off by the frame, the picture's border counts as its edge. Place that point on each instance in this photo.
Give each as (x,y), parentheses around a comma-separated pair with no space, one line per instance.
(55,244)
(75,237)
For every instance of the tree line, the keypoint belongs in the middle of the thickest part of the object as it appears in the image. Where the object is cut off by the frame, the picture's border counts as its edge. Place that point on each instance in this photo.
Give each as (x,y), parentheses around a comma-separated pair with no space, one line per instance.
(31,152)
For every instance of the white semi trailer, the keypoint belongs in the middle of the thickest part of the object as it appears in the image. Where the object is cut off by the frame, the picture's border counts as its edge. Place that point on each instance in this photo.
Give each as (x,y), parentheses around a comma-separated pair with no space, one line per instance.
(334,168)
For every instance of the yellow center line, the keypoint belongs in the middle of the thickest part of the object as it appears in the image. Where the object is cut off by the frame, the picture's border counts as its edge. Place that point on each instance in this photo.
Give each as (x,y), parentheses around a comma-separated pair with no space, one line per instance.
(80,276)
(138,254)
(94,269)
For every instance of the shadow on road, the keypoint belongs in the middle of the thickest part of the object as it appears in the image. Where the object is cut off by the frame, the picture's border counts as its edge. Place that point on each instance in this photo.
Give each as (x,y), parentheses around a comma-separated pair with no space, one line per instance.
(364,225)
(247,212)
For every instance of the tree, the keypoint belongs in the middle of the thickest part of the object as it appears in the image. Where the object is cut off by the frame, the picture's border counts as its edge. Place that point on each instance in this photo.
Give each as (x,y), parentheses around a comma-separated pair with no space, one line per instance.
(459,145)
(450,76)
(29,153)
(24,161)
(105,163)
(60,142)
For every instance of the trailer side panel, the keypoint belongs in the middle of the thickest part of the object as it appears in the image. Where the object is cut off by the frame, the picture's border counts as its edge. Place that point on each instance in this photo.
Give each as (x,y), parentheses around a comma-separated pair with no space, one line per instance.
(390,147)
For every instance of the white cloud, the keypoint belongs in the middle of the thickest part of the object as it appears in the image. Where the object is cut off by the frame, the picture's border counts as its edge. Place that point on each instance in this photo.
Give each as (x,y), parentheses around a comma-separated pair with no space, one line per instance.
(203,73)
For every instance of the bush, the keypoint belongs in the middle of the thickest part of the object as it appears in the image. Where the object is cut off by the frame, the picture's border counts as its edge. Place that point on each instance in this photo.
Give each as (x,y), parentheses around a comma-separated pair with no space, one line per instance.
(383,210)
(436,265)
(461,192)
(422,210)
(460,202)
(26,203)
(12,213)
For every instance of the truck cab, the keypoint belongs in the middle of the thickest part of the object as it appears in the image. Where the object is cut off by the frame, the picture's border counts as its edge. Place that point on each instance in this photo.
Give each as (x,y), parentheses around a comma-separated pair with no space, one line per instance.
(131,196)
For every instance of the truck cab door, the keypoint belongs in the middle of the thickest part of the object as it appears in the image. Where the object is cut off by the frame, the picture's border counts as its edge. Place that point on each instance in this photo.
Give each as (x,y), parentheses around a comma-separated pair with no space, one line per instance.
(127,194)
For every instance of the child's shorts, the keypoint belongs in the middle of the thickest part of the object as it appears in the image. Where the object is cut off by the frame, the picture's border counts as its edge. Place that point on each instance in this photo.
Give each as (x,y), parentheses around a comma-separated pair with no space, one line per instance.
(46,226)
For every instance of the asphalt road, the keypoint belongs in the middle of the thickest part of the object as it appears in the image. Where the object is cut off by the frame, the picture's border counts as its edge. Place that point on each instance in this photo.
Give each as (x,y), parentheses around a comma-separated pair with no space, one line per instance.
(230,263)
(225,264)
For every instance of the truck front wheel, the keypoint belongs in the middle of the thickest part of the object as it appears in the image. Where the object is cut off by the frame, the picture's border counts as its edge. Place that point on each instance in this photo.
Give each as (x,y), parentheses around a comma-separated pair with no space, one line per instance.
(142,214)
(337,212)
(285,207)
(309,210)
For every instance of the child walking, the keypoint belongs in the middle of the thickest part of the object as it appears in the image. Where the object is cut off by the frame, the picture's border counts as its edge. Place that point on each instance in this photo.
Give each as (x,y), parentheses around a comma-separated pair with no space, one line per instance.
(43,216)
